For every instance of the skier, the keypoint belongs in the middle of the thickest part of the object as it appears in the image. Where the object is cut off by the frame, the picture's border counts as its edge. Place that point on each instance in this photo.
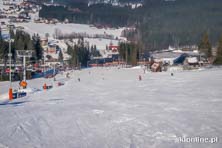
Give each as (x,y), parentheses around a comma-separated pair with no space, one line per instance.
(45,86)
(67,75)
(79,79)
(140,78)
(23,84)
(171,74)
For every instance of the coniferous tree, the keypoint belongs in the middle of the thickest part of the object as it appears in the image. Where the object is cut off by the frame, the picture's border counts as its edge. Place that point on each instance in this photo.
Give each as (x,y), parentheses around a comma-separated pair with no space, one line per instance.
(12,34)
(69,49)
(37,47)
(74,57)
(22,41)
(1,43)
(79,54)
(218,60)
(133,56)
(0,34)
(60,58)
(205,45)
(128,52)
(4,49)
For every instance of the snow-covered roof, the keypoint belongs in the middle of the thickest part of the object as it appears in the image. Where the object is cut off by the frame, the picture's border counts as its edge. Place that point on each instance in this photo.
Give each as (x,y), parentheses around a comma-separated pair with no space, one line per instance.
(192,60)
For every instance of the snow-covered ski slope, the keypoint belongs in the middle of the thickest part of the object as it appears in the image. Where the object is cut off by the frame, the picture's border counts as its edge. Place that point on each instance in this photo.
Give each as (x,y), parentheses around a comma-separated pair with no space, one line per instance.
(110,108)
(33,85)
(101,43)
(42,29)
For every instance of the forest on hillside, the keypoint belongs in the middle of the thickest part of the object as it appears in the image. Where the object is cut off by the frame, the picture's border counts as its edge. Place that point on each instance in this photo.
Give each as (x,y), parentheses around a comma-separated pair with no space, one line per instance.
(103,14)
(180,22)
(159,23)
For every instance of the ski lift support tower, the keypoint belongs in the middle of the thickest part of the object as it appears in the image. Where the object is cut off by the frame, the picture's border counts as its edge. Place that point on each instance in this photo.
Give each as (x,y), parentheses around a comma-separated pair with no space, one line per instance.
(24,54)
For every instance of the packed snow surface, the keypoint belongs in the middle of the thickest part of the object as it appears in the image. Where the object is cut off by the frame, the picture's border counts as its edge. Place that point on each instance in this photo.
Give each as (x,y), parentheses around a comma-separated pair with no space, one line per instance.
(111,108)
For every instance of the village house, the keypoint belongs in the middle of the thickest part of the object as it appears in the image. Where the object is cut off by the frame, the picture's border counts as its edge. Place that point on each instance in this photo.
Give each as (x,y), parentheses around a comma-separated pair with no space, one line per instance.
(52,49)
(44,42)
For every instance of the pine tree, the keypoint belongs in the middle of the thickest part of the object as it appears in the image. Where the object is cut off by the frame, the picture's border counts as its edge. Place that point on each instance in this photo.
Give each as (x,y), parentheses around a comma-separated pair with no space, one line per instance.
(12,34)
(1,35)
(1,42)
(60,58)
(30,45)
(128,52)
(133,56)
(91,48)
(37,47)
(218,60)
(73,55)
(69,49)
(22,41)
(4,49)
(20,45)
(94,47)
(205,46)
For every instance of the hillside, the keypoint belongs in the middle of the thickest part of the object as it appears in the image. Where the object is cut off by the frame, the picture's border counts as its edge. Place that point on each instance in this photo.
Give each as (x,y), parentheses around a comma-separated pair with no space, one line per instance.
(180,22)
(160,22)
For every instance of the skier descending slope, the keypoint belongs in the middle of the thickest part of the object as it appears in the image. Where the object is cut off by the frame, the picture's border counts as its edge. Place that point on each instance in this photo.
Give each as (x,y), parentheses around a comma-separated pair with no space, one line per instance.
(140,78)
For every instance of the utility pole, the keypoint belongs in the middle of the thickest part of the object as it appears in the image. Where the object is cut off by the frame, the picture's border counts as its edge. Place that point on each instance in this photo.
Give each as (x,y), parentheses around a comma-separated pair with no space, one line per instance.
(24,54)
(10,60)
(44,67)
(54,71)
(10,92)
(126,56)
(24,68)
(10,65)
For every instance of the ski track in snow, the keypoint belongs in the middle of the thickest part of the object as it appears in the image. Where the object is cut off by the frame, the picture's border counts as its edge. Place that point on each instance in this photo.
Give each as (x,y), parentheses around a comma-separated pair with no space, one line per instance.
(118,111)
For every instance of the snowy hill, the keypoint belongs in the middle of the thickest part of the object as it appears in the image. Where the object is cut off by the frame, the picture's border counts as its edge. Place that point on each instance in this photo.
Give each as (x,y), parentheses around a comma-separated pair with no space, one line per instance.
(42,29)
(110,108)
